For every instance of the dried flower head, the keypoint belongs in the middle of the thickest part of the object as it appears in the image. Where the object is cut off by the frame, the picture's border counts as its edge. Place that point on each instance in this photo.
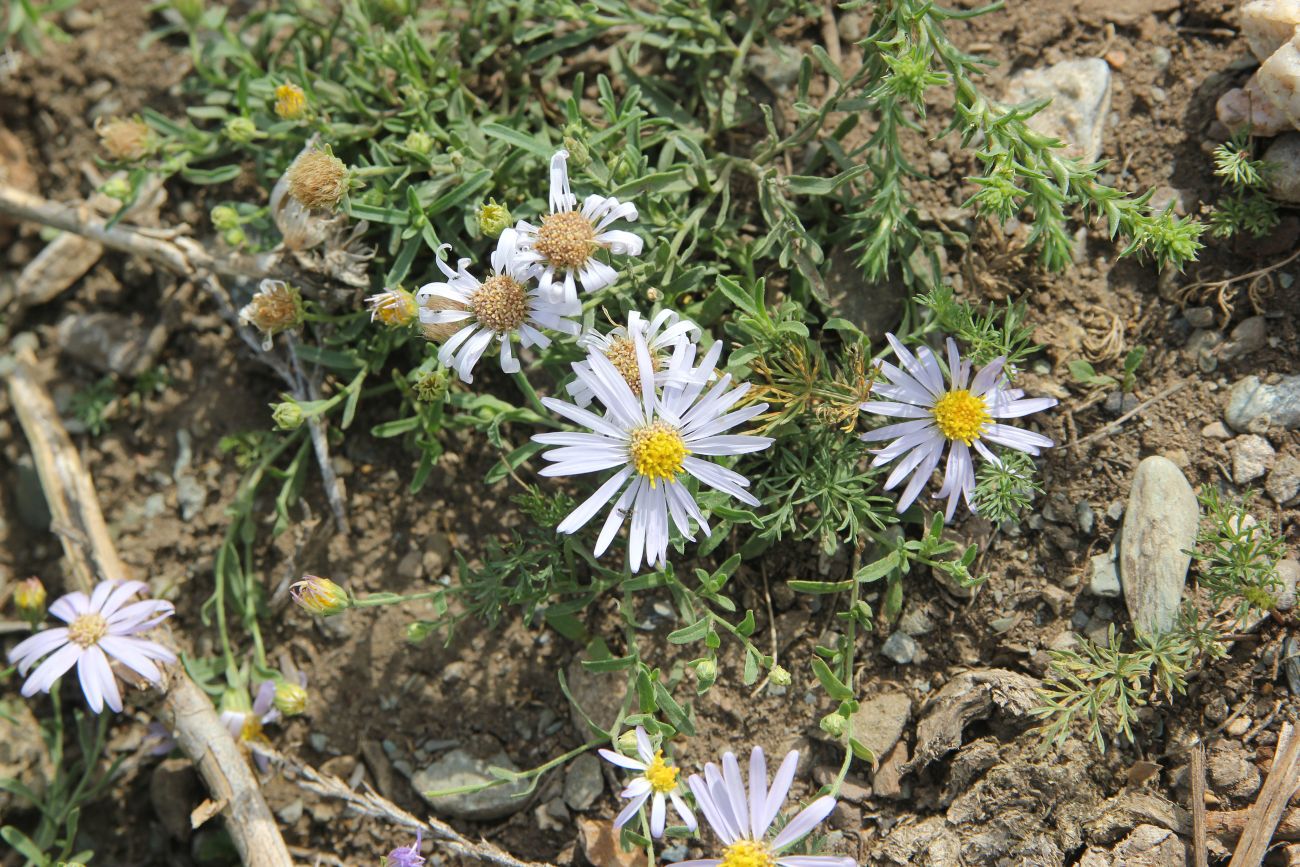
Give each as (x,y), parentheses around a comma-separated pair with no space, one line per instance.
(393,307)
(320,596)
(125,139)
(29,599)
(318,179)
(276,307)
(290,102)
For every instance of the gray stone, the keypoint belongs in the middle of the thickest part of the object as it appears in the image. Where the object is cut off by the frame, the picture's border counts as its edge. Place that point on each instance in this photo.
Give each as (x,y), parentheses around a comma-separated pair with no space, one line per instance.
(875,307)
(1249,336)
(1284,156)
(1080,94)
(459,769)
(290,813)
(1159,528)
(916,619)
(1231,770)
(190,495)
(1103,576)
(1216,430)
(1283,483)
(878,722)
(599,694)
(900,647)
(1199,317)
(1291,664)
(1203,346)
(1252,455)
(108,342)
(1254,406)
(583,782)
(1085,517)
(1117,403)
(1288,575)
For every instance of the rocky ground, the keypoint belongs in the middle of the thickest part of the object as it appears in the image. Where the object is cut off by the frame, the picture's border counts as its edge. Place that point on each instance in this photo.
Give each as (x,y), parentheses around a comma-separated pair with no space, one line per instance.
(946,690)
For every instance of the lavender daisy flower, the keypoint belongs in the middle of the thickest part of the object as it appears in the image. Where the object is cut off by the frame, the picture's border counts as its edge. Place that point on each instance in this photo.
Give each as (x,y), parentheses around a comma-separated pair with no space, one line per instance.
(742,822)
(961,416)
(657,782)
(245,724)
(407,856)
(99,626)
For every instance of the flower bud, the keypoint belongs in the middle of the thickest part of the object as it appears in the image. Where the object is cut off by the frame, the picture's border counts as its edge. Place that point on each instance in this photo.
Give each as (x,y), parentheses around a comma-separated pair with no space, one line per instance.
(234,237)
(125,139)
(834,724)
(318,179)
(224,218)
(290,102)
(579,155)
(117,188)
(287,415)
(627,742)
(420,142)
(29,599)
(653,295)
(779,676)
(290,698)
(493,219)
(320,596)
(707,670)
(432,387)
(241,130)
(418,630)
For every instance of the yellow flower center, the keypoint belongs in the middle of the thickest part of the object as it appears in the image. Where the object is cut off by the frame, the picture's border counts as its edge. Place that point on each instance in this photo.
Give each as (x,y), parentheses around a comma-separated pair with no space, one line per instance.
(622,354)
(662,777)
(251,729)
(87,629)
(395,307)
(960,415)
(566,239)
(657,452)
(747,853)
(290,101)
(500,304)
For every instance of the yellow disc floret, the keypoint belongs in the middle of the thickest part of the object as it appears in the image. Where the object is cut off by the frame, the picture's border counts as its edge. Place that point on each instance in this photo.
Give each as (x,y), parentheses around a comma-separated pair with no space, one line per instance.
(662,777)
(500,304)
(960,415)
(622,354)
(290,102)
(566,239)
(251,730)
(747,853)
(657,451)
(87,629)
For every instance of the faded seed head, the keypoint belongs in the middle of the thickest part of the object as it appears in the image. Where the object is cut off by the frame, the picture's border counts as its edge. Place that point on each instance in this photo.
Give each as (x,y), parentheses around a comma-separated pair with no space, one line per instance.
(622,354)
(318,179)
(125,139)
(276,307)
(566,239)
(500,304)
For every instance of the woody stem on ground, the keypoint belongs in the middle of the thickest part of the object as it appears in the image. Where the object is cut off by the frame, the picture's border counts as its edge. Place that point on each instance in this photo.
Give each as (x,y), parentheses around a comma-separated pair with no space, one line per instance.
(186,710)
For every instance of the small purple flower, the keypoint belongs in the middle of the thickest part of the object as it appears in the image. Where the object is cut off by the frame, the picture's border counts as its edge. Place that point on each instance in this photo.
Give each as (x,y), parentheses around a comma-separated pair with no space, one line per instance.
(407,856)
(100,626)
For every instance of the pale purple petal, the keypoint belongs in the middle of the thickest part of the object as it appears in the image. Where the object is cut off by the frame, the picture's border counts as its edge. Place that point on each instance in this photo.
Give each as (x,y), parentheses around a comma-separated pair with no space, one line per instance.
(52,669)
(780,788)
(658,815)
(622,761)
(631,809)
(32,648)
(70,606)
(125,651)
(802,824)
(757,792)
(97,680)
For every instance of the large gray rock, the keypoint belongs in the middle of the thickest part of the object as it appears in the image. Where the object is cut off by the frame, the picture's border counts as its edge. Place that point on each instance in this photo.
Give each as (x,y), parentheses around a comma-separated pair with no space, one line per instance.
(583,782)
(1283,483)
(1159,528)
(1284,156)
(1080,94)
(1254,406)
(878,723)
(1103,577)
(108,342)
(459,769)
(1252,455)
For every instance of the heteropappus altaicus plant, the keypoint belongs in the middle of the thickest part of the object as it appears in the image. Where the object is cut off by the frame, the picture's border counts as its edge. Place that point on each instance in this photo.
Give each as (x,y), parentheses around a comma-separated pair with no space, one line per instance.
(101,626)
(653,440)
(658,783)
(959,417)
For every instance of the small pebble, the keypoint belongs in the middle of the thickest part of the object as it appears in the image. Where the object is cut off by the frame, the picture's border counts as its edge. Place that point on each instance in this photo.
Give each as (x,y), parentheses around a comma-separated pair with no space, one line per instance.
(1239,726)
(900,647)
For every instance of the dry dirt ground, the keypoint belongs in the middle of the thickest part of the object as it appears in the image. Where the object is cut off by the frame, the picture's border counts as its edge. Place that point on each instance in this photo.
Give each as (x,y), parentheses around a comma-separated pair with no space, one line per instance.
(377,699)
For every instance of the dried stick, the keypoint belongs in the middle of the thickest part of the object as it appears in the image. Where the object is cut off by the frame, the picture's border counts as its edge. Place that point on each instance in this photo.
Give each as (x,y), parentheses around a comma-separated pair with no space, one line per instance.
(1197,771)
(186,709)
(1283,780)
(371,803)
(1105,429)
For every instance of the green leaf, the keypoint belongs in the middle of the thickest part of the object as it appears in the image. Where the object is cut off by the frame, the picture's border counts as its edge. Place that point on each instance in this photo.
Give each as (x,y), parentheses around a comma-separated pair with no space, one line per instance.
(834,687)
(221,175)
(518,139)
(861,750)
(672,709)
(1081,370)
(460,192)
(376,214)
(737,295)
(877,570)
(751,668)
(820,588)
(23,845)
(396,427)
(746,626)
(687,634)
(808,185)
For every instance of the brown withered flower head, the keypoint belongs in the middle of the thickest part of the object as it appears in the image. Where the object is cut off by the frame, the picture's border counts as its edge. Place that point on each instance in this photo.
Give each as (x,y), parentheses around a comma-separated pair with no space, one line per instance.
(125,139)
(318,179)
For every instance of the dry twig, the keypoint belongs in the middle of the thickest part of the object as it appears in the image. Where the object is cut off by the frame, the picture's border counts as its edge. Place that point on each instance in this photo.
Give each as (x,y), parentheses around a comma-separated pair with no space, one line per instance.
(1197,771)
(1283,781)
(1105,429)
(371,803)
(186,710)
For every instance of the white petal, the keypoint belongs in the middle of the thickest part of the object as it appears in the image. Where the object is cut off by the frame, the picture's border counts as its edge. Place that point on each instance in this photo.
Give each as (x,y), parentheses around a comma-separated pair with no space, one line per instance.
(614,520)
(1018,408)
(1017,438)
(621,760)
(579,517)
(890,431)
(658,815)
(31,649)
(757,792)
(899,410)
(584,417)
(52,669)
(780,788)
(688,818)
(803,823)
(643,745)
(922,476)
(631,809)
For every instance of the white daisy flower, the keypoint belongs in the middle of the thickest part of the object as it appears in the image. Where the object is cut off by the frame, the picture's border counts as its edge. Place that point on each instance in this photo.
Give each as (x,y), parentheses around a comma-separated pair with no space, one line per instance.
(653,440)
(499,307)
(657,783)
(666,337)
(564,246)
(100,626)
(742,821)
(961,415)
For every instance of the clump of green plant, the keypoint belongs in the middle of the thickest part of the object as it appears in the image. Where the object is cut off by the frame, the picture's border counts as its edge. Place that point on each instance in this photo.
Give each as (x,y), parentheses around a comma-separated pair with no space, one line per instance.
(28,24)
(1104,685)
(1245,205)
(93,405)
(1237,556)
(1085,374)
